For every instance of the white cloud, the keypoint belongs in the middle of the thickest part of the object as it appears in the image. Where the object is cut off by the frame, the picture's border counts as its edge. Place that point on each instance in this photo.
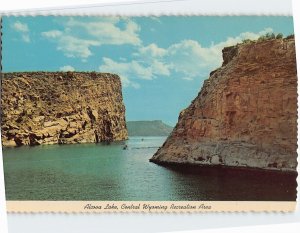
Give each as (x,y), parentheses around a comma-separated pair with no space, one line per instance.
(26,38)
(147,66)
(70,45)
(188,78)
(191,58)
(187,58)
(152,50)
(127,71)
(20,27)
(106,31)
(134,70)
(78,37)
(67,68)
(23,29)
(155,18)
(52,34)
(76,47)
(160,68)
(238,39)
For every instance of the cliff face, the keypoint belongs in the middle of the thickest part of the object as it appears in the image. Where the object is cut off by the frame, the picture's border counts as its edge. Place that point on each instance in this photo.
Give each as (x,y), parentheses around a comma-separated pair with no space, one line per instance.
(61,108)
(245,114)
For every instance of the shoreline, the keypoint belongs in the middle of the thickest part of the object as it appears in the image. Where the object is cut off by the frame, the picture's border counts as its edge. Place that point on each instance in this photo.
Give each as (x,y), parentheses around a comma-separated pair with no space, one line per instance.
(183,165)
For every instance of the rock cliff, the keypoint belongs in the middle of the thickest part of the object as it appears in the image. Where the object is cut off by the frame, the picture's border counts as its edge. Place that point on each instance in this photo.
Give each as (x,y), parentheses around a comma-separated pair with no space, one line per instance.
(245,114)
(61,108)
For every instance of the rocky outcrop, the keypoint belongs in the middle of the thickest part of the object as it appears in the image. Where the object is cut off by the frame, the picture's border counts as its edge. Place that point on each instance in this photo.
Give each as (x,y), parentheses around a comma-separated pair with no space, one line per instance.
(61,108)
(245,114)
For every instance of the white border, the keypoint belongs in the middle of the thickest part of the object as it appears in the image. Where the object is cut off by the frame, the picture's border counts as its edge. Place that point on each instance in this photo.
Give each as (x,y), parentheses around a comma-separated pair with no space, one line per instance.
(154,7)
(155,223)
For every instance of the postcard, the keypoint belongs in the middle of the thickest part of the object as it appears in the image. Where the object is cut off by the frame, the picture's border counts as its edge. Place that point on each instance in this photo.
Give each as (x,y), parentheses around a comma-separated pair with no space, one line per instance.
(149,113)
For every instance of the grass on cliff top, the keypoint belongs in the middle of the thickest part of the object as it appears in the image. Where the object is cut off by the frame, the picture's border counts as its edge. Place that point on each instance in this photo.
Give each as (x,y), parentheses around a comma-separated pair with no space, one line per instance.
(268,36)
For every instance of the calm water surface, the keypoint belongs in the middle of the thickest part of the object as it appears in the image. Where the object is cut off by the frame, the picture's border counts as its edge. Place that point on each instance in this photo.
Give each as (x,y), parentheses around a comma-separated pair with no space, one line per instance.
(107,172)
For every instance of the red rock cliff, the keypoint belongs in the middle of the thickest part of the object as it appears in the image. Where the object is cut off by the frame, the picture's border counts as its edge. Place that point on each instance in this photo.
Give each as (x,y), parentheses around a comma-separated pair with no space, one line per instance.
(245,114)
(61,108)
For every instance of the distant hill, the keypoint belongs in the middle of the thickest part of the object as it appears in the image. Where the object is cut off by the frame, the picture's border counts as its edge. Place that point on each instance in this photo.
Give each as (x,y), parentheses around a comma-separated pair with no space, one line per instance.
(148,128)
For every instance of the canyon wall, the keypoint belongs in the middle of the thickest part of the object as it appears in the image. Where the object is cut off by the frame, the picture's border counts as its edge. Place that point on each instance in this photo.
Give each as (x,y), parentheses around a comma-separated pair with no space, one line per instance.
(61,108)
(245,114)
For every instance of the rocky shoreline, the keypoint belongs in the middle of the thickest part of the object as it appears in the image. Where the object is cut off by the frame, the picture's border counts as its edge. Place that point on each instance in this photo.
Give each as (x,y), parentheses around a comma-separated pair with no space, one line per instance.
(197,166)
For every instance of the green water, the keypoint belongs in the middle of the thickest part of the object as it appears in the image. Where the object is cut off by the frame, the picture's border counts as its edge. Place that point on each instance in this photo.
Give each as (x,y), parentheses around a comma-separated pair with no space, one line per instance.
(107,172)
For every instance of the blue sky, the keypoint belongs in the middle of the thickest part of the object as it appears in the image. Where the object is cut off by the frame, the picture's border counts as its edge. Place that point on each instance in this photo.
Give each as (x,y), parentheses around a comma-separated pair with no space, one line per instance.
(162,61)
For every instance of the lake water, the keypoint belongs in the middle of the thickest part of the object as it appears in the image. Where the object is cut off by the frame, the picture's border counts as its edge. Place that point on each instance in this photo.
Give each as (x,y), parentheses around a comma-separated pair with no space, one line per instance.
(107,172)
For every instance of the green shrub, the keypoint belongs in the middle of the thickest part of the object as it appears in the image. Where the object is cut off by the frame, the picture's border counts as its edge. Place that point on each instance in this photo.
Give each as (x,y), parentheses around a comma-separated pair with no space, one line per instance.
(262,38)
(93,74)
(268,36)
(279,36)
(290,36)
(68,74)
(246,41)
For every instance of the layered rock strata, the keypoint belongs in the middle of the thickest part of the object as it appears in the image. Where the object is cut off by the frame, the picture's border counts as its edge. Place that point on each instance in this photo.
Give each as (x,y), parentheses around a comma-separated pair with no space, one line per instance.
(61,108)
(245,114)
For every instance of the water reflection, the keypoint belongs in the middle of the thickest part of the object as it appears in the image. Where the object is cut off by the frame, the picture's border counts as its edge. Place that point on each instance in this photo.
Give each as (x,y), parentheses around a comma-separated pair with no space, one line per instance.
(233,184)
(108,172)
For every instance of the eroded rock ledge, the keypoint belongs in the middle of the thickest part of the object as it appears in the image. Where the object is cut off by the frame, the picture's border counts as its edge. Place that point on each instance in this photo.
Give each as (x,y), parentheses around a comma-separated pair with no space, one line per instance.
(61,108)
(245,114)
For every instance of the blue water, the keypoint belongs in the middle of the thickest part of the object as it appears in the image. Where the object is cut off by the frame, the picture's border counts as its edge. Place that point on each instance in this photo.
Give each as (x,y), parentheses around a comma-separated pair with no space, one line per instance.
(107,172)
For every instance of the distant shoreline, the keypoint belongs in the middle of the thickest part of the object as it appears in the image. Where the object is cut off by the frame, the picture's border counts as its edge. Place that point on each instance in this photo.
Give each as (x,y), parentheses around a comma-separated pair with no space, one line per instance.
(148,128)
